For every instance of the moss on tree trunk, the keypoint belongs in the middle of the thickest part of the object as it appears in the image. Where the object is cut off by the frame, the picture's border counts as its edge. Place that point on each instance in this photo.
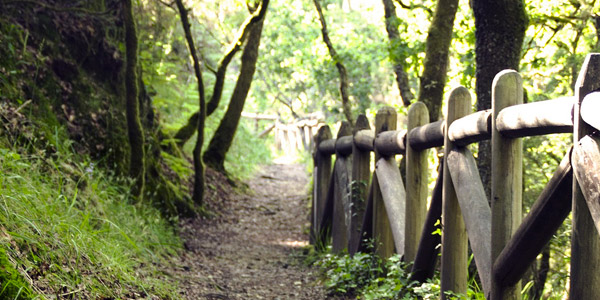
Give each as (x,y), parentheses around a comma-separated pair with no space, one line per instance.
(391,26)
(134,126)
(198,189)
(435,67)
(499,32)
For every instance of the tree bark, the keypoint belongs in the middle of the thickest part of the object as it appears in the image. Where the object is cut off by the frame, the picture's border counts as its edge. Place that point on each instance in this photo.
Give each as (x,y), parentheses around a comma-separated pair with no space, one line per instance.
(188,130)
(134,125)
(391,26)
(338,64)
(435,67)
(499,32)
(223,137)
(198,190)
(215,98)
(540,274)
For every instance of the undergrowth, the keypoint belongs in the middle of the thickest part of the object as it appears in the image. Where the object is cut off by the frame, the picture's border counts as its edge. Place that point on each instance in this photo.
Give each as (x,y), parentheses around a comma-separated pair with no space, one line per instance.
(68,230)
(366,276)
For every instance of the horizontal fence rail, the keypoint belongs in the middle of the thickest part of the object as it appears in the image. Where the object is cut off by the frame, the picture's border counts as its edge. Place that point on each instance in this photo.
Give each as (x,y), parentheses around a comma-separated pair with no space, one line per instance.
(353,205)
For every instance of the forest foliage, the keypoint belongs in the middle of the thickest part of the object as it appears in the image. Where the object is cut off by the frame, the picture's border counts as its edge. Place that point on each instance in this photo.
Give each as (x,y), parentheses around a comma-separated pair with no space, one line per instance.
(61,72)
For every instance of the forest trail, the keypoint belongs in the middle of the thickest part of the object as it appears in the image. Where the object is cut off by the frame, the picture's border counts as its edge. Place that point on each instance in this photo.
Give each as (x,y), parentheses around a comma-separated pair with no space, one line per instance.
(250,251)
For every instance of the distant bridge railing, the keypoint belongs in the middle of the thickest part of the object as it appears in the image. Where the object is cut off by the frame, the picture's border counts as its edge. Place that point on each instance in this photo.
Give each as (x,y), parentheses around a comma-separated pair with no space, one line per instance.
(352,206)
(289,136)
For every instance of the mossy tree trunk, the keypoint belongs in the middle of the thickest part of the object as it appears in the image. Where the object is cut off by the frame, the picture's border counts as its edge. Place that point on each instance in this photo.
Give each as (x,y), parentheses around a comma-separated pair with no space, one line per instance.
(499,32)
(223,137)
(134,126)
(433,78)
(198,192)
(391,26)
(435,67)
(186,132)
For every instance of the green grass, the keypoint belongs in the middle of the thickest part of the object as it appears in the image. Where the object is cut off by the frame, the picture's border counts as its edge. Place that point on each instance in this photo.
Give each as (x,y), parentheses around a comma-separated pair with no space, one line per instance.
(69,229)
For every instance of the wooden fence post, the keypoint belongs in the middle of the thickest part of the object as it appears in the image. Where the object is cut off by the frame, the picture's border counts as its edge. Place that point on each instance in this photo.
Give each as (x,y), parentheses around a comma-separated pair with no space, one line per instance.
(341,197)
(416,184)
(361,173)
(321,175)
(585,241)
(507,174)
(454,235)
(385,120)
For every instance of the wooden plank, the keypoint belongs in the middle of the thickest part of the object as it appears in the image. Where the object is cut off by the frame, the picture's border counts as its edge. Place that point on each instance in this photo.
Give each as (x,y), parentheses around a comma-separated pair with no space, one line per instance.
(585,241)
(326,218)
(427,136)
(391,142)
(507,176)
(341,206)
(394,198)
(590,106)
(417,170)
(453,272)
(361,173)
(259,116)
(471,128)
(343,145)
(536,118)
(385,119)
(586,163)
(322,174)
(546,215)
(363,139)
(424,266)
(341,196)
(475,209)
(264,133)
(327,147)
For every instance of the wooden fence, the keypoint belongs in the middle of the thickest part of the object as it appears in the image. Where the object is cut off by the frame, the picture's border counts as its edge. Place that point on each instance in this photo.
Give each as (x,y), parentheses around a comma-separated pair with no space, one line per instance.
(295,135)
(352,207)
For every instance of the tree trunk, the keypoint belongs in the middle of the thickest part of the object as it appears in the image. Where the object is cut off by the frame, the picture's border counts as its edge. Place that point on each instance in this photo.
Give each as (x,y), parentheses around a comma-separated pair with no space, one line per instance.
(198,192)
(540,275)
(188,130)
(223,137)
(499,32)
(338,64)
(134,125)
(435,67)
(391,26)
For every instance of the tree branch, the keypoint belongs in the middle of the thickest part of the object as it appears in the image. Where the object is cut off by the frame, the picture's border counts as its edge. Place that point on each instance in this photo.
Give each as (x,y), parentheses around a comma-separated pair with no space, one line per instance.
(413,6)
(338,63)
(233,49)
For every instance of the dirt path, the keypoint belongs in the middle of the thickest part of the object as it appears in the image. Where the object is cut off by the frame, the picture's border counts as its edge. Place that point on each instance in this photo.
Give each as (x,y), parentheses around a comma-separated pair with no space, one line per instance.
(248,252)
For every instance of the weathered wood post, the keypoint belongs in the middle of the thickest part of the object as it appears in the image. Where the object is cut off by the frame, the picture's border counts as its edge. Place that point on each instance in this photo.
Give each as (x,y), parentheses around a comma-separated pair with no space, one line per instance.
(585,241)
(507,174)
(278,135)
(341,194)
(361,174)
(454,233)
(386,119)
(306,139)
(321,175)
(416,184)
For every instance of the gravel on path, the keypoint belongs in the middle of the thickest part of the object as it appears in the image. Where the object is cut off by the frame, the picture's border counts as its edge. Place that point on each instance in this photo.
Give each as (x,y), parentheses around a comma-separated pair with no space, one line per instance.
(250,251)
